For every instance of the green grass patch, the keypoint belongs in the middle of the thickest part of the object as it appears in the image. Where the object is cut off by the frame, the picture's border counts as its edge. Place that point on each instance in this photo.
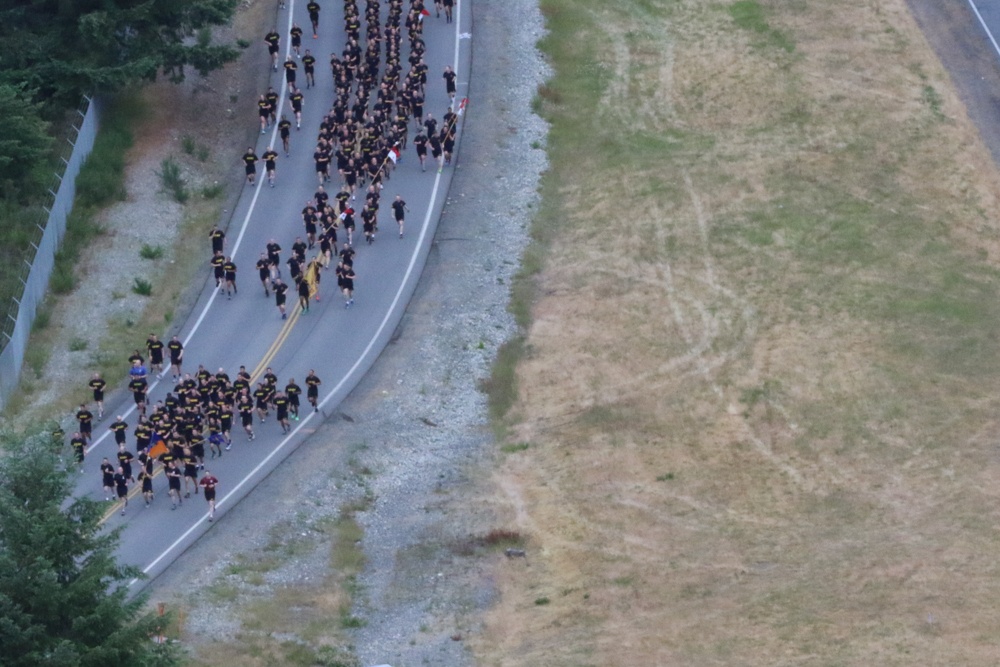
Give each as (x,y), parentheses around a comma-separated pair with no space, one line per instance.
(172,181)
(212,191)
(142,287)
(501,386)
(750,15)
(151,252)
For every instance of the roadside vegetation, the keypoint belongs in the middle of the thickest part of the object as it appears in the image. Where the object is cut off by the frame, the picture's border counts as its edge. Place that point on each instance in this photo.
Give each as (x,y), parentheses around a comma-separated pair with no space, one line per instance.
(756,422)
(63,599)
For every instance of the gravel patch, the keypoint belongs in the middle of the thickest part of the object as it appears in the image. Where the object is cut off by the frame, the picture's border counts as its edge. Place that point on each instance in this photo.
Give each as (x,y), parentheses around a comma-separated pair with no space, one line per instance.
(414,436)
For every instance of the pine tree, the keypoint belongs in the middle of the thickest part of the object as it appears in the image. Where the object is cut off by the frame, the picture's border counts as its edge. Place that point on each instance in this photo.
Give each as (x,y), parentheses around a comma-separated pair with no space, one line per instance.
(65,48)
(63,598)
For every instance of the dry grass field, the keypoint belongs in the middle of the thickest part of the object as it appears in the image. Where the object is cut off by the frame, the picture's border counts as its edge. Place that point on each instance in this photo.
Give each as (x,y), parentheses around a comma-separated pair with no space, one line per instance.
(756,411)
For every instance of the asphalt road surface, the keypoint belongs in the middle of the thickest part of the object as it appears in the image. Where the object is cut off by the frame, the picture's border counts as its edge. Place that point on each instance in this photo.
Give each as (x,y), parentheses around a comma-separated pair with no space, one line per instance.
(340,344)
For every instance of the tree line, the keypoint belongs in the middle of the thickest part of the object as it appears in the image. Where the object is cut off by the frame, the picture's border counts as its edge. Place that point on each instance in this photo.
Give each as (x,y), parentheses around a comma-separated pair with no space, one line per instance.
(53,52)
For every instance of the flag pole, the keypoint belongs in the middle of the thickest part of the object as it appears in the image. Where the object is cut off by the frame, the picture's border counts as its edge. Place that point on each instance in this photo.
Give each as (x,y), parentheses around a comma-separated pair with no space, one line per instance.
(384,160)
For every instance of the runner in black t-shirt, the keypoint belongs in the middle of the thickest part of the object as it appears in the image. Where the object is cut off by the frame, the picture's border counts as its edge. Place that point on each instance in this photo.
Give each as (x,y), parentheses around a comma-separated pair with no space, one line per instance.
(285,131)
(264,271)
(250,161)
(269,156)
(121,487)
(296,35)
(154,346)
(280,289)
(273,41)
(313,9)
(97,385)
(399,209)
(309,63)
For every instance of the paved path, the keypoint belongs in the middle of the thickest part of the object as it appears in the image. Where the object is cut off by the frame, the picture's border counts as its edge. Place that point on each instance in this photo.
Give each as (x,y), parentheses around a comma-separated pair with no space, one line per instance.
(340,344)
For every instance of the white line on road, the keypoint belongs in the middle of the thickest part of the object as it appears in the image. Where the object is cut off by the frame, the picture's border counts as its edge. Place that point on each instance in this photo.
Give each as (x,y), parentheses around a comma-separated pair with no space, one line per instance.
(982,22)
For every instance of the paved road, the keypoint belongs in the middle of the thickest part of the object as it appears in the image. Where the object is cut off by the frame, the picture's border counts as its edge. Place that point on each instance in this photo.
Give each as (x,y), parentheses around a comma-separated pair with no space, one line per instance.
(340,344)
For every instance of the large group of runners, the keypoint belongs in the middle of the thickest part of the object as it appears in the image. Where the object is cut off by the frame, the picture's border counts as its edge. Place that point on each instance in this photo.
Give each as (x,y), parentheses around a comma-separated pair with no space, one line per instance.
(363,135)
(196,418)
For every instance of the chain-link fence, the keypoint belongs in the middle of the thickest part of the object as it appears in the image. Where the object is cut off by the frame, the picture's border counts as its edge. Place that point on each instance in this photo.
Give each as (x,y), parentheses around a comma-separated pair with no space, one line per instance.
(36,271)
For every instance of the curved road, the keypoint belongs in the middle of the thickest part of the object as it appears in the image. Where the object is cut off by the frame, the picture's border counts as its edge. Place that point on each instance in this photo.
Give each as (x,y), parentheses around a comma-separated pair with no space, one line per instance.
(340,344)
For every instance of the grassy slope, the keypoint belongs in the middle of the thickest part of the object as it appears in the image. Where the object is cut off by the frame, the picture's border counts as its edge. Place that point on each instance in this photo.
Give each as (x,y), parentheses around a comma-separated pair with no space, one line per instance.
(758,384)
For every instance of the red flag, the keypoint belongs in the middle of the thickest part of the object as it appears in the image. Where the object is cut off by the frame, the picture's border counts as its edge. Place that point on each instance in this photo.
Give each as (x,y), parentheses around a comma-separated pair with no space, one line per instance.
(461,105)
(394,154)
(425,11)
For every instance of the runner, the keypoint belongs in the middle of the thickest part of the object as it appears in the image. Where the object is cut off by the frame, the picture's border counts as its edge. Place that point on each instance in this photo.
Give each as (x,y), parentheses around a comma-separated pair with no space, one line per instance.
(79,445)
(449,5)
(420,143)
(399,209)
(125,459)
(436,151)
(217,262)
(313,8)
(273,41)
(154,346)
(312,388)
(218,238)
(245,407)
(280,289)
(264,271)
(250,161)
(269,156)
(262,396)
(209,482)
(230,269)
(291,67)
(303,291)
(85,418)
(309,63)
(107,478)
(176,349)
(173,484)
(263,114)
(120,430)
(285,130)
(295,99)
(281,411)
(348,276)
(121,486)
(293,391)
(296,35)
(97,385)
(449,83)
(146,480)
(272,105)
(190,462)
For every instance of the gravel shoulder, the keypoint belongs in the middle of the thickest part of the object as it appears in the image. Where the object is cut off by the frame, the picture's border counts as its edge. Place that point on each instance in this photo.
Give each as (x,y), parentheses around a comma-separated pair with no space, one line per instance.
(413,440)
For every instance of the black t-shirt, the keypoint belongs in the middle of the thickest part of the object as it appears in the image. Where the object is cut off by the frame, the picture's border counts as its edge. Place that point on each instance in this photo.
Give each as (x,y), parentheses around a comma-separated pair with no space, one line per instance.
(155,348)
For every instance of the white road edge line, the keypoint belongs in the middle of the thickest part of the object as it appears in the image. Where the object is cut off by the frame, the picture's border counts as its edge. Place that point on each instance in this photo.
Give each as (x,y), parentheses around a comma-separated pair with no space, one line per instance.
(982,22)
(364,354)
(236,245)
